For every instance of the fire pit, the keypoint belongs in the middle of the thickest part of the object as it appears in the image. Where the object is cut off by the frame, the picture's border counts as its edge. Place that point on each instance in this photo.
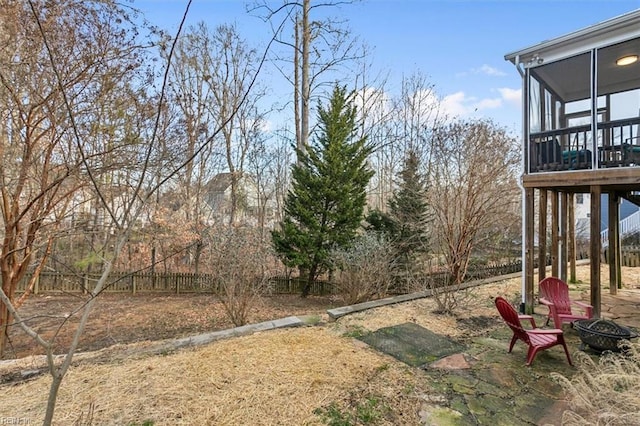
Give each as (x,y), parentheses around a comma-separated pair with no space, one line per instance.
(602,335)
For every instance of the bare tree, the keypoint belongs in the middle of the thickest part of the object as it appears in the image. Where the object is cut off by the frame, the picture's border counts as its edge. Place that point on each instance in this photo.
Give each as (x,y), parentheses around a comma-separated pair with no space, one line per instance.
(43,167)
(397,125)
(241,261)
(320,48)
(63,62)
(237,114)
(79,51)
(472,188)
(191,96)
(268,165)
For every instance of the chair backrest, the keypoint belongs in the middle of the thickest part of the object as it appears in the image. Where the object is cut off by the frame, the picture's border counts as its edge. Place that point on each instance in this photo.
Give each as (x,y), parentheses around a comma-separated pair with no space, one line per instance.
(556,291)
(510,316)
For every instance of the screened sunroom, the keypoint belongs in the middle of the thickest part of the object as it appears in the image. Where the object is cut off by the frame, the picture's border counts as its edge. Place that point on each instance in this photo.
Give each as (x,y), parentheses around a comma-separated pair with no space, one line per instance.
(581,134)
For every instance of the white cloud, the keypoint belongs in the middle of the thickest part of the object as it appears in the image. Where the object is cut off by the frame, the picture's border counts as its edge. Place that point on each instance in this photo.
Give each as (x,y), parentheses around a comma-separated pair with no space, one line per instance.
(488,103)
(461,105)
(484,70)
(512,96)
(372,101)
(489,70)
(456,104)
(266,126)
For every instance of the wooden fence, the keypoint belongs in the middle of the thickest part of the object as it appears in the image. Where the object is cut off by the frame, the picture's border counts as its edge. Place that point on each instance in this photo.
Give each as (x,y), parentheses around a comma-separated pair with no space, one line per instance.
(630,256)
(158,283)
(123,282)
(177,283)
(205,283)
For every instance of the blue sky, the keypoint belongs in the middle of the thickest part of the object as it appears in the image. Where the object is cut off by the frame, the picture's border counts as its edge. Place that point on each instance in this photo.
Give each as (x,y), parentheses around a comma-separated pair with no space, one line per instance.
(458,44)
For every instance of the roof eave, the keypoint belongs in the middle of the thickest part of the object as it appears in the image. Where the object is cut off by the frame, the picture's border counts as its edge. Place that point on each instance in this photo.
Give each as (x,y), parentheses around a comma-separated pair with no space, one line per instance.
(594,32)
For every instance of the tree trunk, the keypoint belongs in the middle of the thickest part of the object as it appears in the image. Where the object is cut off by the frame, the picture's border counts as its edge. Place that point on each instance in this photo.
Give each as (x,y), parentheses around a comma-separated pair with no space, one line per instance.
(296,85)
(51,400)
(306,89)
(310,279)
(5,320)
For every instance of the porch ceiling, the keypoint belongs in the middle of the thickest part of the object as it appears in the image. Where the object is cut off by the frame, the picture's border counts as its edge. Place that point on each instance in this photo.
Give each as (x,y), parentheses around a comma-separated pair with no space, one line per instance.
(570,78)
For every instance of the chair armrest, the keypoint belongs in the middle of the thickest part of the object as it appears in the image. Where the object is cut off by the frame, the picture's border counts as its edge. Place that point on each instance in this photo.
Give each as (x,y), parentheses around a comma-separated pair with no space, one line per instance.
(587,308)
(545,331)
(528,317)
(582,304)
(545,301)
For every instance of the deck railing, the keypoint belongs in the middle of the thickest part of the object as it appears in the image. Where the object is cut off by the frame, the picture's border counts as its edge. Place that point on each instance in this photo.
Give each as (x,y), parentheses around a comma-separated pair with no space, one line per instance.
(618,145)
(561,149)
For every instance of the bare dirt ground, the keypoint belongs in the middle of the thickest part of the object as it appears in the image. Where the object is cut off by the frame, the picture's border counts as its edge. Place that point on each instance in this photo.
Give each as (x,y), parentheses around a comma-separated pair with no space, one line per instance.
(125,318)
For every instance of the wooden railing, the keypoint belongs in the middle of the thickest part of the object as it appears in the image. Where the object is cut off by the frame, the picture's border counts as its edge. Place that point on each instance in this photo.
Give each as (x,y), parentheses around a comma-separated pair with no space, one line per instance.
(618,145)
(561,149)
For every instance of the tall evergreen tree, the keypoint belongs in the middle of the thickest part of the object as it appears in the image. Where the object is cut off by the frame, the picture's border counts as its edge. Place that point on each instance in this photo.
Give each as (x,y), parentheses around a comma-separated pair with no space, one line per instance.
(325,205)
(409,210)
(407,220)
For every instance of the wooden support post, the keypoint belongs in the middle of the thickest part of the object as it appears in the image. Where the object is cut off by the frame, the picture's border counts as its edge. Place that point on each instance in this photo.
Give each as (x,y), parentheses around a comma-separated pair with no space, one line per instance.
(572,238)
(594,254)
(554,233)
(542,235)
(615,264)
(564,236)
(529,212)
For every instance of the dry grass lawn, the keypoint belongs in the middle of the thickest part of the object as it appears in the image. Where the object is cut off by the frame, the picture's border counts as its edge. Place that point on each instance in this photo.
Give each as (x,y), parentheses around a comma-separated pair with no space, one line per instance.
(277,377)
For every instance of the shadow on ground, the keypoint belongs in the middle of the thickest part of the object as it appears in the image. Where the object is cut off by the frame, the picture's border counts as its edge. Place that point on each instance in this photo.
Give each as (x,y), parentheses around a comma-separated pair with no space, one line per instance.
(481,383)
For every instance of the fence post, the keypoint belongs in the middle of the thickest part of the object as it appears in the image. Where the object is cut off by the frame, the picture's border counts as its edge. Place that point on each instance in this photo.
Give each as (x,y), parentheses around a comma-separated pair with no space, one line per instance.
(133,284)
(36,284)
(177,280)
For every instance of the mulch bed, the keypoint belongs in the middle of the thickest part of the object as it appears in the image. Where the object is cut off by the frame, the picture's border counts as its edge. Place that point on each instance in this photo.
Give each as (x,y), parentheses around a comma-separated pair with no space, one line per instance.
(125,318)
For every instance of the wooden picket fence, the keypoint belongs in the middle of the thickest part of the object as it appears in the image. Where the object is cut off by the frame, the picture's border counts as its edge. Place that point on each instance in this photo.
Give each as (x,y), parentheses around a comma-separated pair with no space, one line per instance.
(630,256)
(147,282)
(121,282)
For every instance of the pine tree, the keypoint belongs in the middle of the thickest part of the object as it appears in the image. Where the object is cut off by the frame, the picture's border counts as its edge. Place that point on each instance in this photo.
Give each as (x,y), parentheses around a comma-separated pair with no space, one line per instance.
(409,213)
(325,205)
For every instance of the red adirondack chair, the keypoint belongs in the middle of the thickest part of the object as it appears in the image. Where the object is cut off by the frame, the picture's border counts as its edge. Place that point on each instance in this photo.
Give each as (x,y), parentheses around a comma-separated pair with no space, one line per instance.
(536,338)
(554,293)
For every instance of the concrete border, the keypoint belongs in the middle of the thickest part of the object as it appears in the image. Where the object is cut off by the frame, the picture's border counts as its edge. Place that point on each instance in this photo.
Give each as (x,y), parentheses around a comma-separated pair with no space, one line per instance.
(336,313)
(202,339)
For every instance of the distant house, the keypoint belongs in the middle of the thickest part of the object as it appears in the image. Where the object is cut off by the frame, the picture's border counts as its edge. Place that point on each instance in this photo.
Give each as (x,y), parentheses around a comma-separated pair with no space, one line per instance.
(253,207)
(629,218)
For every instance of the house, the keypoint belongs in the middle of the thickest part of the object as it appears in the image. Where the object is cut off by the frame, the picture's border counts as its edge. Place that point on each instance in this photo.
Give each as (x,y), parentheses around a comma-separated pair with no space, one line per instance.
(629,218)
(581,128)
(254,206)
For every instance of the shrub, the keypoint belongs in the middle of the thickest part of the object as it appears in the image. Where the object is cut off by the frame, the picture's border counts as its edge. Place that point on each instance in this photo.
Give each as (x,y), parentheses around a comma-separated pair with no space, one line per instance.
(238,257)
(363,271)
